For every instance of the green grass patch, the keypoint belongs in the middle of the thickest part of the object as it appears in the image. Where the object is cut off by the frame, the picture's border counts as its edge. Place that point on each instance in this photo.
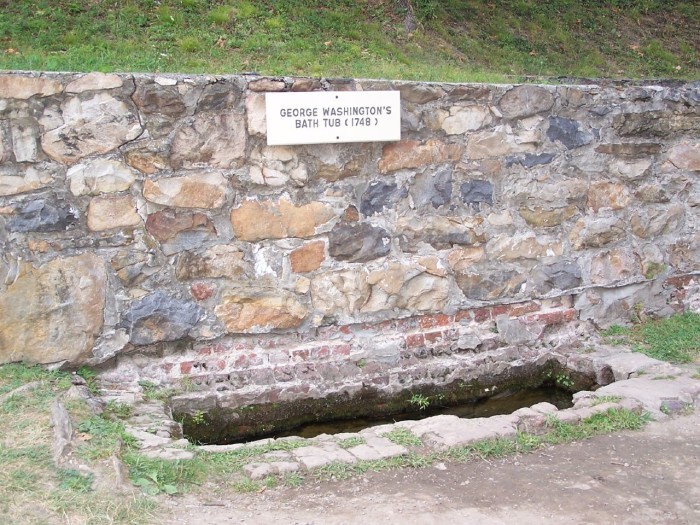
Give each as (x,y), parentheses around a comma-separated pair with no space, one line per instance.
(675,339)
(404,437)
(453,40)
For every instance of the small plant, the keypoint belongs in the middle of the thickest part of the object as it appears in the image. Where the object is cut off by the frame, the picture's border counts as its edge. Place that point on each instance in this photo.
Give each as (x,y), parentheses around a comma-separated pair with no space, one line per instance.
(90,379)
(118,410)
(404,437)
(654,270)
(420,400)
(198,418)
(351,442)
(606,399)
(153,392)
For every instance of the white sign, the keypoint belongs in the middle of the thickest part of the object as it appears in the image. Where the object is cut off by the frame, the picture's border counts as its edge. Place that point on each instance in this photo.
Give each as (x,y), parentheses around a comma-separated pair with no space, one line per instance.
(326,117)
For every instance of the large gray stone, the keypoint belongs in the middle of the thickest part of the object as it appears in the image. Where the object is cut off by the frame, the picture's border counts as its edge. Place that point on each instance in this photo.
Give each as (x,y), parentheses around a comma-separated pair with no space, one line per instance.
(160,317)
(568,132)
(43,215)
(380,195)
(433,188)
(476,192)
(358,242)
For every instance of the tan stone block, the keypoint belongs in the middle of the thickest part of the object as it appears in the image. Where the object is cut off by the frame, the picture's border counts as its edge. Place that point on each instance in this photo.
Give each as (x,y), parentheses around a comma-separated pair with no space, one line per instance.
(433,265)
(685,156)
(614,265)
(242,313)
(594,232)
(99,176)
(266,84)
(309,257)
(256,114)
(547,218)
(53,313)
(522,247)
(94,81)
(500,142)
(216,140)
(461,258)
(608,195)
(105,213)
(147,159)
(199,190)
(29,179)
(23,87)
(258,220)
(657,220)
(415,154)
(91,127)
(463,119)
(217,262)
(341,292)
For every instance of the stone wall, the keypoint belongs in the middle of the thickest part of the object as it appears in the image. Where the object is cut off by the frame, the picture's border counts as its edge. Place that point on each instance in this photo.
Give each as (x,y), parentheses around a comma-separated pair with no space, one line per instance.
(146,226)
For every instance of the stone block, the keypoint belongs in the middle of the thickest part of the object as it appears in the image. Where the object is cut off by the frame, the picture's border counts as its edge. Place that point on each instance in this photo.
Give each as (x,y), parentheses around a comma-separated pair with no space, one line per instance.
(416,154)
(308,257)
(199,190)
(54,313)
(114,211)
(24,87)
(242,312)
(91,126)
(526,100)
(257,220)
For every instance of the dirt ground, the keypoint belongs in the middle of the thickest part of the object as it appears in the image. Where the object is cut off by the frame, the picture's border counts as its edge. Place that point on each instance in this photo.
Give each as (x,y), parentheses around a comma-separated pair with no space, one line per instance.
(651,476)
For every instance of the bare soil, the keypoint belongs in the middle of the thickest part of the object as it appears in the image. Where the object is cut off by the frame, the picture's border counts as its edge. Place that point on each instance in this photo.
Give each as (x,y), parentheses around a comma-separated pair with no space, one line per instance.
(650,476)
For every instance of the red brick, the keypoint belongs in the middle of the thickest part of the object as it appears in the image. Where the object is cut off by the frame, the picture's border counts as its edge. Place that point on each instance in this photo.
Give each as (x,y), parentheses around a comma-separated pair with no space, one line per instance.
(432,321)
(300,354)
(415,340)
(341,350)
(482,314)
(186,367)
(463,315)
(167,367)
(555,317)
(499,310)
(679,281)
(434,337)
(518,309)
(320,352)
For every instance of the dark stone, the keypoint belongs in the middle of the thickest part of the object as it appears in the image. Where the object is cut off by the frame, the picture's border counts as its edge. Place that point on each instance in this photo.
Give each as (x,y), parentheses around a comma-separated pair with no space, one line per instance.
(488,283)
(601,111)
(638,94)
(43,216)
(471,93)
(219,96)
(567,132)
(419,93)
(561,275)
(359,242)
(380,195)
(530,160)
(159,317)
(180,230)
(153,98)
(433,188)
(658,123)
(477,191)
(629,149)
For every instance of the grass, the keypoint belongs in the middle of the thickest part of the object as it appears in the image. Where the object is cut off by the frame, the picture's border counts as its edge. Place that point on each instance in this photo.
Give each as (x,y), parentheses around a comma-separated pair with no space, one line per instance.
(675,339)
(454,40)
(33,490)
